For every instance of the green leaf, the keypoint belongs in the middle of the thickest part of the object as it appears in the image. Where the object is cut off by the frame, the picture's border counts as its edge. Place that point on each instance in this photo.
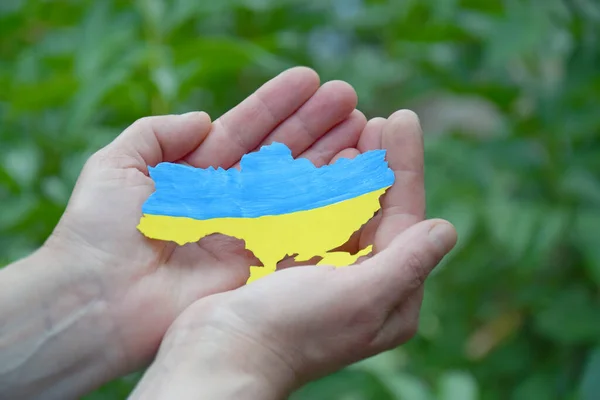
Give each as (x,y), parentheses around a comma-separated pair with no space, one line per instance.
(387,367)
(22,164)
(166,81)
(11,6)
(582,185)
(585,234)
(117,389)
(537,386)
(513,224)
(457,385)
(16,209)
(590,382)
(570,318)
(346,384)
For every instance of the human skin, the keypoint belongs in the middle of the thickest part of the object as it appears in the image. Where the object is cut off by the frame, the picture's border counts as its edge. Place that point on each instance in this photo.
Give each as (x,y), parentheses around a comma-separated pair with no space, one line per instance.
(264,340)
(94,302)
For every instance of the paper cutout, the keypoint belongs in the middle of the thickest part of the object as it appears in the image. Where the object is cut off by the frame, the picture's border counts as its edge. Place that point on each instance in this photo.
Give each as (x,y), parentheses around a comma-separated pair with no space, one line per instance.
(277,204)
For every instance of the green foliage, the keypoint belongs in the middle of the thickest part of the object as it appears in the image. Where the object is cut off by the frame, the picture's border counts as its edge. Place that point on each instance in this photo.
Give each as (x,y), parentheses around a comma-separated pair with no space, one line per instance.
(508,95)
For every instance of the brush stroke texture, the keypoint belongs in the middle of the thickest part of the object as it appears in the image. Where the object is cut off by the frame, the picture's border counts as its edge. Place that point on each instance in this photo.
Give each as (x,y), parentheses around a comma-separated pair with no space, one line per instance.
(270,182)
(278,205)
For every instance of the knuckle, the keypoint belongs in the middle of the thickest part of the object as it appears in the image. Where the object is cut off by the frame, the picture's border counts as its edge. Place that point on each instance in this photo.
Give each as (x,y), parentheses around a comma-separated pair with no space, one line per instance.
(366,322)
(416,269)
(106,158)
(142,122)
(97,159)
(365,316)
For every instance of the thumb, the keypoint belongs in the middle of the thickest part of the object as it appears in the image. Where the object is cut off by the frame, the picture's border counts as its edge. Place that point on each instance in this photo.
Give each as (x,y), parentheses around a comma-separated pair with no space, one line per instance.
(393,274)
(165,138)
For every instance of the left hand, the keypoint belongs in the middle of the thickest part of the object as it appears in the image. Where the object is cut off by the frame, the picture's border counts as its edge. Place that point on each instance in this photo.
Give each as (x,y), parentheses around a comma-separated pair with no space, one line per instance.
(98,296)
(150,282)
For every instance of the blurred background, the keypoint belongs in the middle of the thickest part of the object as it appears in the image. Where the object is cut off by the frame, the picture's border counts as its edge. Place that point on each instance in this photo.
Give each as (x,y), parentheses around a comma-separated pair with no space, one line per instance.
(509,97)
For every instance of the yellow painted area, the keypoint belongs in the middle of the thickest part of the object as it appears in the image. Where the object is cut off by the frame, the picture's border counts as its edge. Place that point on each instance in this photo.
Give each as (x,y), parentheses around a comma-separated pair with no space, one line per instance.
(271,238)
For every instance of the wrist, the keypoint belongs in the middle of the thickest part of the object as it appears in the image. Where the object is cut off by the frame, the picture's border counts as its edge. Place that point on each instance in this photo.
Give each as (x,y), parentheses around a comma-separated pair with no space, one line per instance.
(137,325)
(204,361)
(56,337)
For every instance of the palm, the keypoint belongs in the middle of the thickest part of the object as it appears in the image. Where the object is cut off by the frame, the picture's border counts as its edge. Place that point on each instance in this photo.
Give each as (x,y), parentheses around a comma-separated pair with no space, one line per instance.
(156,279)
(326,318)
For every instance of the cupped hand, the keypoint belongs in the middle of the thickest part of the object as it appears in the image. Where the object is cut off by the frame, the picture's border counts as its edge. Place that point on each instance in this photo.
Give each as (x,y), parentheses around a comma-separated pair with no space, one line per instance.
(304,322)
(147,283)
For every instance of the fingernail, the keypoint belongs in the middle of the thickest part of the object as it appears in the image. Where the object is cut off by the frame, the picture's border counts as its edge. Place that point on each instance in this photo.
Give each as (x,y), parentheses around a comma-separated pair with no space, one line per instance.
(443,236)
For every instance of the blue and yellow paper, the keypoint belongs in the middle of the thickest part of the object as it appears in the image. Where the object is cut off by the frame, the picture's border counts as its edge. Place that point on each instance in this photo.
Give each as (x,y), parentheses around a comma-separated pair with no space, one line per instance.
(277,204)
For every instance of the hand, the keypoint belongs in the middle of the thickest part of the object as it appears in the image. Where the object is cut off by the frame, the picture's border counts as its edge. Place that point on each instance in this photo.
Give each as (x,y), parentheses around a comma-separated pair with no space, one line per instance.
(145,284)
(292,326)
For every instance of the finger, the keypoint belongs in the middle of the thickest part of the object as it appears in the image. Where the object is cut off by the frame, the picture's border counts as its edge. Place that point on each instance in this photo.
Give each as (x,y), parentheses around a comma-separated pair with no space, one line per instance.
(168,138)
(243,128)
(370,139)
(330,105)
(346,153)
(404,203)
(396,272)
(343,136)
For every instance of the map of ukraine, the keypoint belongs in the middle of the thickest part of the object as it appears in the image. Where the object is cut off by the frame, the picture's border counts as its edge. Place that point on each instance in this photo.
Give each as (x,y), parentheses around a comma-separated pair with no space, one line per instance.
(280,206)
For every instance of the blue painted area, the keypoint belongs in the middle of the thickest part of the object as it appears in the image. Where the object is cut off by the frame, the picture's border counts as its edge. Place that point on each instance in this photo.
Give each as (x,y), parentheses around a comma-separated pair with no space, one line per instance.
(270,182)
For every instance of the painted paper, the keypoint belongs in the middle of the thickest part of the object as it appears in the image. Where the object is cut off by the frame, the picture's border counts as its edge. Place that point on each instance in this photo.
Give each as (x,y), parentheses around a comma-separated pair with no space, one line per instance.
(278,205)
